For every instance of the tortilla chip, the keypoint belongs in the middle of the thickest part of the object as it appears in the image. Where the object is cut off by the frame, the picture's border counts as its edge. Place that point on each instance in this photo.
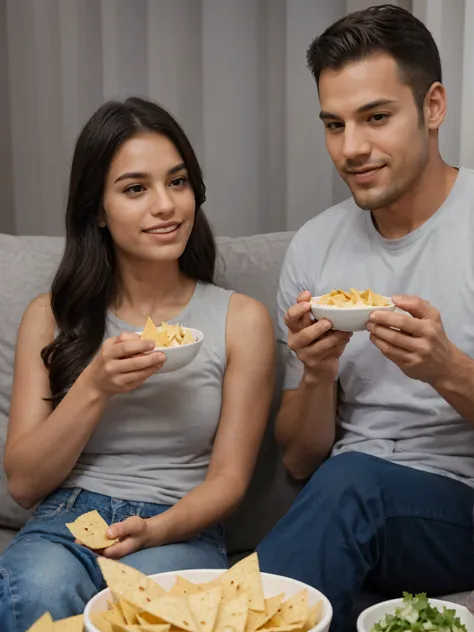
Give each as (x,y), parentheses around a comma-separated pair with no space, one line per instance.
(184,587)
(124,580)
(173,610)
(43,624)
(102,624)
(256,619)
(90,530)
(149,330)
(158,335)
(354,298)
(212,584)
(150,627)
(283,628)
(71,624)
(244,577)
(128,611)
(315,614)
(113,616)
(145,618)
(205,605)
(139,628)
(294,610)
(188,338)
(173,331)
(232,615)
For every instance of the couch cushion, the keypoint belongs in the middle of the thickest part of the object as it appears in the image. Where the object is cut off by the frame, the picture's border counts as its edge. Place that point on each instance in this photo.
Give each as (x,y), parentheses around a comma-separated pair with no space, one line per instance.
(250,265)
(27,265)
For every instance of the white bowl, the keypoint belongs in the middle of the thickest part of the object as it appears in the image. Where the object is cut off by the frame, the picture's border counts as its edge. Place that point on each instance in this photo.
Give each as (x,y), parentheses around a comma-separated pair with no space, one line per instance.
(347,318)
(272,585)
(369,617)
(178,357)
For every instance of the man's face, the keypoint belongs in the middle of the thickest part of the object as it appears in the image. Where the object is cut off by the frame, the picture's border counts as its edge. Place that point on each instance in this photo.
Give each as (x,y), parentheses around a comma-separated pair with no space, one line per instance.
(373,130)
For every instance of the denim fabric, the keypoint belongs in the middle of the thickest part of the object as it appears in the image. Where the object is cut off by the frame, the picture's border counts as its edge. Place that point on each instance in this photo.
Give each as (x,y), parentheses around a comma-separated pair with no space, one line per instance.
(361,520)
(43,569)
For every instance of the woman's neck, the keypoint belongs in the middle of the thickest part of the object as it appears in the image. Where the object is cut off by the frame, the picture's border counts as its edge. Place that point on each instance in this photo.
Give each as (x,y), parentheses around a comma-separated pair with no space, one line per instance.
(156,289)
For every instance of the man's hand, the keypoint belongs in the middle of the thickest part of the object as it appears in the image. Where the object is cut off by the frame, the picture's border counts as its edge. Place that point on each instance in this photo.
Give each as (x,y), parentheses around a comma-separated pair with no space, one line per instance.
(416,343)
(314,344)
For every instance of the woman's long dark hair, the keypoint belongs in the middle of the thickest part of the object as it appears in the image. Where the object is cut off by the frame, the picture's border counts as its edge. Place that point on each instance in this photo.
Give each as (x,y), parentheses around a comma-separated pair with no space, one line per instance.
(85,283)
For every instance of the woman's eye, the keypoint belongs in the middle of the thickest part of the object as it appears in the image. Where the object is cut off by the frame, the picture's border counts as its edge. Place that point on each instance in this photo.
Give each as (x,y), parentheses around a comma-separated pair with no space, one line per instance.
(179,182)
(135,188)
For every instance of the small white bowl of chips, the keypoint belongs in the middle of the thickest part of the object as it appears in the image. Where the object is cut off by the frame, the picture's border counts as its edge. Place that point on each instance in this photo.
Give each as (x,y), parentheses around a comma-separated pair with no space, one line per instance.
(349,311)
(241,599)
(179,344)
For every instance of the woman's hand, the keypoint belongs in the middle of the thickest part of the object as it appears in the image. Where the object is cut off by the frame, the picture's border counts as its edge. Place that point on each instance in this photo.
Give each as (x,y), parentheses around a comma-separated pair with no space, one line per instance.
(134,535)
(123,363)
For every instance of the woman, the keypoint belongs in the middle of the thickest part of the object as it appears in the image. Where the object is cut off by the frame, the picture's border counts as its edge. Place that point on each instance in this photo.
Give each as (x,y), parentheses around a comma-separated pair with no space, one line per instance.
(163,458)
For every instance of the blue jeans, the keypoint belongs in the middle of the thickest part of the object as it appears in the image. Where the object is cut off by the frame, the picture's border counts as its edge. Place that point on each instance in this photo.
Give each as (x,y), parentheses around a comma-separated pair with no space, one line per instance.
(363,521)
(43,569)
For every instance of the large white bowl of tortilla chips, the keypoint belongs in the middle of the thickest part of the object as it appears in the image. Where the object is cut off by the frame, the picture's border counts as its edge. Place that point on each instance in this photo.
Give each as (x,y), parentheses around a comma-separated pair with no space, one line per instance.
(241,599)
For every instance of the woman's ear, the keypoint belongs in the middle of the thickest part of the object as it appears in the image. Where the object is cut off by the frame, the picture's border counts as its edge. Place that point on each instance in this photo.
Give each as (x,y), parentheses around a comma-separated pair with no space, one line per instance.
(101,223)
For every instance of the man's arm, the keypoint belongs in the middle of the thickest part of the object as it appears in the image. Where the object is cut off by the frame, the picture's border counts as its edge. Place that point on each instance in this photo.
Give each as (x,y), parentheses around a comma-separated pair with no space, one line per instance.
(306,426)
(457,386)
(306,423)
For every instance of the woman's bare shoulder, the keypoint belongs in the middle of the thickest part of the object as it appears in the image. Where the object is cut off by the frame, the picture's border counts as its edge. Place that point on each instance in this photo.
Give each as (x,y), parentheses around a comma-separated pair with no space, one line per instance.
(38,319)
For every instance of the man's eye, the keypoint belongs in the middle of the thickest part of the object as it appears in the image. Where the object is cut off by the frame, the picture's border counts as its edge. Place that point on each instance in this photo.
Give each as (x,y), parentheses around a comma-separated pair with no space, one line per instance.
(379,118)
(334,125)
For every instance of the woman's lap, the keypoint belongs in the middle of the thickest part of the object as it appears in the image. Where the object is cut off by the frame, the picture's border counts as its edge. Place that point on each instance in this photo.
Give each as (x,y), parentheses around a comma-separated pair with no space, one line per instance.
(44,569)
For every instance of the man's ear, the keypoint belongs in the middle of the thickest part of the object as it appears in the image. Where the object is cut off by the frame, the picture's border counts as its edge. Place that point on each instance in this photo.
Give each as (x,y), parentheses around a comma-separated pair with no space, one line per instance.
(435,106)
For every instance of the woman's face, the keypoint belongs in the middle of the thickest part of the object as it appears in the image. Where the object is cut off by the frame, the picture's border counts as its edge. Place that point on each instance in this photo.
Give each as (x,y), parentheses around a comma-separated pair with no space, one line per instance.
(149,204)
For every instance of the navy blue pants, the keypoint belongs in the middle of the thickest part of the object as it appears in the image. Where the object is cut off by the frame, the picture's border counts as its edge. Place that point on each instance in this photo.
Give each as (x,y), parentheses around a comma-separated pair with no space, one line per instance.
(363,521)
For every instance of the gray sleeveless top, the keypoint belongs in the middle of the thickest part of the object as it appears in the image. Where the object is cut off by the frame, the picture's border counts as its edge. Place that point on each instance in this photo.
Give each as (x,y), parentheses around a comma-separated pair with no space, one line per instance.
(154,444)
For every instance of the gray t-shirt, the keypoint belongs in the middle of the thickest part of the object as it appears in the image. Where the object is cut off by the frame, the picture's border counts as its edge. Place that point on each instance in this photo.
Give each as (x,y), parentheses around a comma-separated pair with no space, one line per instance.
(380,410)
(155,443)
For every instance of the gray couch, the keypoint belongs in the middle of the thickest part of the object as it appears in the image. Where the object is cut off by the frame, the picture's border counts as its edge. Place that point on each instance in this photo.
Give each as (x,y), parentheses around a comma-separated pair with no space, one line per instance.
(250,265)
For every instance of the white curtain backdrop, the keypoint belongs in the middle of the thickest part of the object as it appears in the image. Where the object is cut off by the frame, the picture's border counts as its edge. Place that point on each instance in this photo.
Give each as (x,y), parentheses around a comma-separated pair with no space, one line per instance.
(233,73)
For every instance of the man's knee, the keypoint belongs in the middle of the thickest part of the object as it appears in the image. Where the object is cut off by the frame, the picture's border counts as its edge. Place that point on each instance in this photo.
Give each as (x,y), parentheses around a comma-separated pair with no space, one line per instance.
(345,476)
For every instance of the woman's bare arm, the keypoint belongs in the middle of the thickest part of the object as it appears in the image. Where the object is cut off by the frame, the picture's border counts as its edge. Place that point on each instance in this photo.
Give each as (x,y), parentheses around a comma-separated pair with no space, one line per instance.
(43,445)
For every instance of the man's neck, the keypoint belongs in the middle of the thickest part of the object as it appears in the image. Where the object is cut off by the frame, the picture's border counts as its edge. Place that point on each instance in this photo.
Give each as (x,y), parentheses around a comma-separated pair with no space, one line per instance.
(418,204)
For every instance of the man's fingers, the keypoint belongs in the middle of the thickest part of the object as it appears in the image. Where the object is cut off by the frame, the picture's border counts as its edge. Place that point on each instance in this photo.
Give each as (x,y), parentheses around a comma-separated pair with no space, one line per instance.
(394,337)
(395,320)
(315,335)
(415,306)
(304,297)
(295,314)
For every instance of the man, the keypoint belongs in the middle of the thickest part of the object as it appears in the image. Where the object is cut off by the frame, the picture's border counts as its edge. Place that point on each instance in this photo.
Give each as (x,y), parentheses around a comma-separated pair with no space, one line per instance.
(393,407)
